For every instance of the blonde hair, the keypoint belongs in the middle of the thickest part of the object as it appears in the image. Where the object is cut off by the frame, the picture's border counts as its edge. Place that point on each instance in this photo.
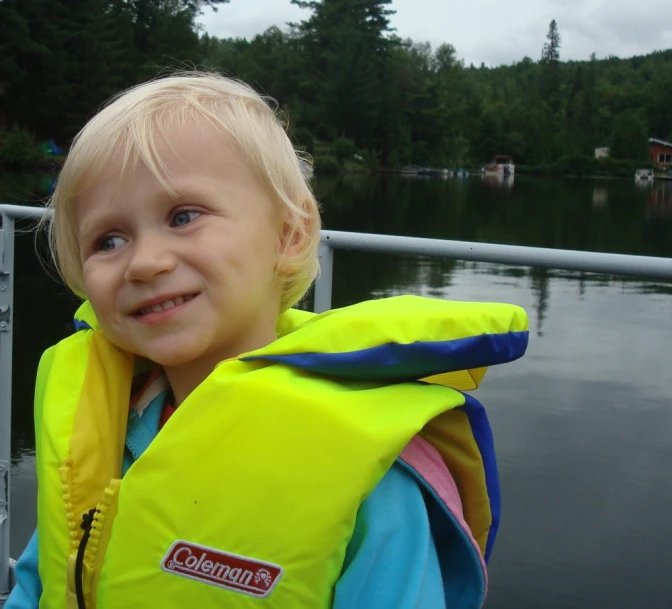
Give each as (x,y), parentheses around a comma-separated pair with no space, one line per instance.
(127,127)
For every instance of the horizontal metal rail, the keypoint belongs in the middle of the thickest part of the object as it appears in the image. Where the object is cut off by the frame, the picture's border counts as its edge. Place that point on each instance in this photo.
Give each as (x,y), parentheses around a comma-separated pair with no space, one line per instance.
(516,255)
(589,262)
(20,212)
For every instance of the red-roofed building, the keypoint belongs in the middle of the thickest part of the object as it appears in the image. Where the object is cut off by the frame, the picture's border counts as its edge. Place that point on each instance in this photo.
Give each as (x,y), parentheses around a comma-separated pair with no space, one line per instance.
(661,152)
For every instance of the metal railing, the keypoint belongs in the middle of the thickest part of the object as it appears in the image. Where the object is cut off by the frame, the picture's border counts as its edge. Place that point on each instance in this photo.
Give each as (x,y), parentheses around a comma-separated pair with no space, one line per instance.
(590,262)
(515,255)
(8,215)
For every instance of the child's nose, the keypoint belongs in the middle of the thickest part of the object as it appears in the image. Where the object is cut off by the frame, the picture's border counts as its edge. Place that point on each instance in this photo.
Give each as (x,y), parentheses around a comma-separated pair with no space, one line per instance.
(150,256)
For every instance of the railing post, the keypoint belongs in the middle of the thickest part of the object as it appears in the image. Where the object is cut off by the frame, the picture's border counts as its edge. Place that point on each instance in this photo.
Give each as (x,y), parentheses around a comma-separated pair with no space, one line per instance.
(324,281)
(6,314)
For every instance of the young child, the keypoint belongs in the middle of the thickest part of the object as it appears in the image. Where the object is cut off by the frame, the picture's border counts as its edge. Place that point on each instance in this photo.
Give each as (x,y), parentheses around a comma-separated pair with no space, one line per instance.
(200,443)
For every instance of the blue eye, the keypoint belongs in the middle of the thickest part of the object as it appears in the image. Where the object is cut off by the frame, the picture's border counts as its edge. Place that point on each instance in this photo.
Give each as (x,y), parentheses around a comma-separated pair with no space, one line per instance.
(109,243)
(182,218)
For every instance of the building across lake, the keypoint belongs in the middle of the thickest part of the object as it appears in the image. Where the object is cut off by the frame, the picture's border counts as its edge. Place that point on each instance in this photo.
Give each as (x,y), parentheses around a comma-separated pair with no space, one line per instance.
(661,153)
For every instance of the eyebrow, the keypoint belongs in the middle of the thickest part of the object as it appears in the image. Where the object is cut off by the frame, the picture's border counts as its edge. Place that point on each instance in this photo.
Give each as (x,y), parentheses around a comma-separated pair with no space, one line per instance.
(188,191)
(95,225)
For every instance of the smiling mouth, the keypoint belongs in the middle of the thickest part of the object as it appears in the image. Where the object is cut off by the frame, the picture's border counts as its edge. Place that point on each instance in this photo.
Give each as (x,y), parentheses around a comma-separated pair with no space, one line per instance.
(164,306)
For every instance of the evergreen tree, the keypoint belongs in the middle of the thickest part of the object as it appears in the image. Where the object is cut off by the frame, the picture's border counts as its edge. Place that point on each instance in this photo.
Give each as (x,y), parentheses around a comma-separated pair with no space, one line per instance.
(587,135)
(549,83)
(148,15)
(346,59)
(60,60)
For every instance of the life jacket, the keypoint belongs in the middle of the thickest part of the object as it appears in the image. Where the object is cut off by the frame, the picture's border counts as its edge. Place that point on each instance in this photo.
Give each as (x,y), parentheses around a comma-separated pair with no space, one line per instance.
(251,489)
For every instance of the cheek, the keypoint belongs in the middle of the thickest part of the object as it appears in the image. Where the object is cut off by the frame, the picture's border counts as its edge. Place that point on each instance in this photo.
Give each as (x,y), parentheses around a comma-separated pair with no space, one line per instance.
(92,287)
(266,245)
(262,261)
(99,292)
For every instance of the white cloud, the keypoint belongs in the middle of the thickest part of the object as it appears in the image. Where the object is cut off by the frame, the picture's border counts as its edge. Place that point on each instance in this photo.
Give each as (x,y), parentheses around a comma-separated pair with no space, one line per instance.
(490,31)
(245,18)
(621,27)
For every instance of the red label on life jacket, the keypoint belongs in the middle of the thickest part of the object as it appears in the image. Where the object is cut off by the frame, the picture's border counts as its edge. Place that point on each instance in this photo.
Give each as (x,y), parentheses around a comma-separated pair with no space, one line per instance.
(238,573)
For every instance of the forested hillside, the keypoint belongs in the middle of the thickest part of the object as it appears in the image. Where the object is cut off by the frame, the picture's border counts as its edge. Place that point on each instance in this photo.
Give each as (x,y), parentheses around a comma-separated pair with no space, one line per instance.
(341,73)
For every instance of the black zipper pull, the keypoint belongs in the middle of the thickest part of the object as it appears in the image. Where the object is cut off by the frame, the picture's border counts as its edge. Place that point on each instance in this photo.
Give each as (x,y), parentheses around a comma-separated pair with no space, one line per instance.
(87,521)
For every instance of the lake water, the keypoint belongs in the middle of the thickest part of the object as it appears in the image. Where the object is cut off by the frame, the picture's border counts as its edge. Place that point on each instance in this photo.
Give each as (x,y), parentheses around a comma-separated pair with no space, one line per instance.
(582,424)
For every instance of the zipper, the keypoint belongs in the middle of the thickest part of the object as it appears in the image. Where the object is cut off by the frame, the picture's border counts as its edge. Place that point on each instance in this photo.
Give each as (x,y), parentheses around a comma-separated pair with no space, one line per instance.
(87,523)
(101,529)
(87,550)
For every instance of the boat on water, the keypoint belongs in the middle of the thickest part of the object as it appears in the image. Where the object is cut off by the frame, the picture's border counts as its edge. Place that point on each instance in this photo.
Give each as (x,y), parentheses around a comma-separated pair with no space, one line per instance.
(501,164)
(646,176)
(431,172)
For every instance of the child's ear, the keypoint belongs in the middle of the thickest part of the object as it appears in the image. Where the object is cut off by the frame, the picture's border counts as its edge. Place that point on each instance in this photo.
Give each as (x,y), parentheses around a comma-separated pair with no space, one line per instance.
(292,244)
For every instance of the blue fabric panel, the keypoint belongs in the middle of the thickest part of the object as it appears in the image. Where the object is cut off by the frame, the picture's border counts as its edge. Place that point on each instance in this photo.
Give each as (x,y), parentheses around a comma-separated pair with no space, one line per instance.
(463,577)
(142,430)
(399,362)
(81,325)
(480,427)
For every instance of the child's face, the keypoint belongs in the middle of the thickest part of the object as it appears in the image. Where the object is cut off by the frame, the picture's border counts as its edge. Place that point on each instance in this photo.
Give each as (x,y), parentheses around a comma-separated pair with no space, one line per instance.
(189,280)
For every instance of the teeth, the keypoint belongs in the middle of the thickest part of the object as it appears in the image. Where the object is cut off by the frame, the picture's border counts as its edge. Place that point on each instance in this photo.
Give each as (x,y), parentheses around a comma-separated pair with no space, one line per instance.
(164,306)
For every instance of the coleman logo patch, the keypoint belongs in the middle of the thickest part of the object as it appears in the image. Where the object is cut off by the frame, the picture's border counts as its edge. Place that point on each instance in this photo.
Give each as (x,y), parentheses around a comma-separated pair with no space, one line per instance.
(238,573)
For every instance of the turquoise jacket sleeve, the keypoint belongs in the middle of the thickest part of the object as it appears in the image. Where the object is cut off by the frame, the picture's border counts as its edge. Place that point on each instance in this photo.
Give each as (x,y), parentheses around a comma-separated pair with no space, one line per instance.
(28,589)
(392,560)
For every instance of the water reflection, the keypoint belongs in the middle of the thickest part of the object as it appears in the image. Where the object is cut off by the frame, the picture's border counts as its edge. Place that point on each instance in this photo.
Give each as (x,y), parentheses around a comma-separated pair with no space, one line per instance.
(500,181)
(609,216)
(600,197)
(660,200)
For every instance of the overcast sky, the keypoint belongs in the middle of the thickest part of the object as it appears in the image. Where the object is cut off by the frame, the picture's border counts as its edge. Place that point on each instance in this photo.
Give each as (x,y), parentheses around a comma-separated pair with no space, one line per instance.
(491,31)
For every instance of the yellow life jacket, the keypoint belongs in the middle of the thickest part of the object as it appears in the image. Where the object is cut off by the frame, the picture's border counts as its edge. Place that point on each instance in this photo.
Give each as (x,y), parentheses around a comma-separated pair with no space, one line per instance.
(251,489)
